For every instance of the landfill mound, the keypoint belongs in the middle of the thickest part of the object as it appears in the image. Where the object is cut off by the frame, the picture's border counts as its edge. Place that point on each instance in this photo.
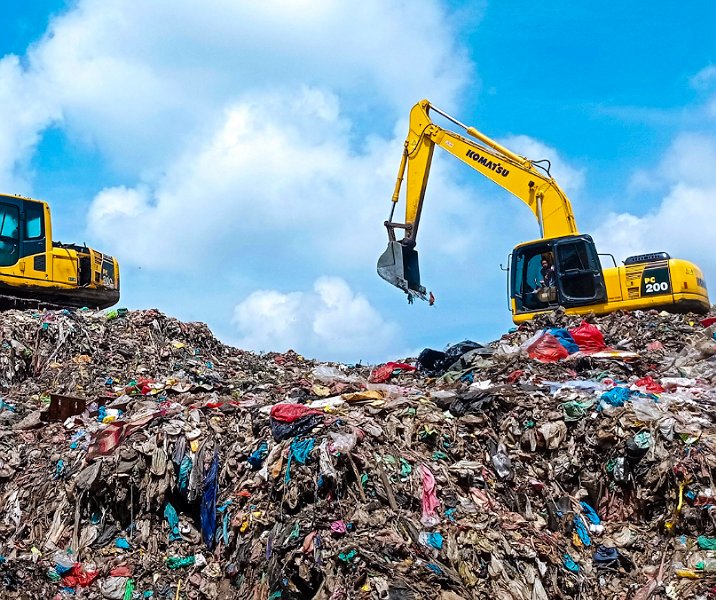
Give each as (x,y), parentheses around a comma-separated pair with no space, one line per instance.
(142,458)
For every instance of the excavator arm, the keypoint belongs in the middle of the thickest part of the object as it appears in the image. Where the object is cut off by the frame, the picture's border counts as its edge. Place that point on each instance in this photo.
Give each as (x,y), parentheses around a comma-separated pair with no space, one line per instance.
(521,177)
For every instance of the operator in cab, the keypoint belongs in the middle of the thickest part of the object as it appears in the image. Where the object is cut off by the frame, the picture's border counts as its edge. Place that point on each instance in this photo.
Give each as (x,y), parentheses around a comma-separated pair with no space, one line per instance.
(547,272)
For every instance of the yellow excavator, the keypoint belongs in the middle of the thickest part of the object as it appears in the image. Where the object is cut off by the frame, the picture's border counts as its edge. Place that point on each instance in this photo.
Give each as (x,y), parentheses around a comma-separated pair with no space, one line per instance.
(560,269)
(37,272)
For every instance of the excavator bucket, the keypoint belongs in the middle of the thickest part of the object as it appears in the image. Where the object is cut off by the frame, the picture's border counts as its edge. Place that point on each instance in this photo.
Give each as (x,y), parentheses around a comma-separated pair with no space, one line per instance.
(398,265)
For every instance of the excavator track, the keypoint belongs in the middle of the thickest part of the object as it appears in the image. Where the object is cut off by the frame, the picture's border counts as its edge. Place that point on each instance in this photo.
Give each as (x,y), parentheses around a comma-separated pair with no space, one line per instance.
(29,299)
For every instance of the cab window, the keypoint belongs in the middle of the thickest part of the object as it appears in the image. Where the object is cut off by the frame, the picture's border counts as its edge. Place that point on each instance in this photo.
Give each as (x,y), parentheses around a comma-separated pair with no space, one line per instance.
(33,221)
(9,232)
(527,277)
(576,270)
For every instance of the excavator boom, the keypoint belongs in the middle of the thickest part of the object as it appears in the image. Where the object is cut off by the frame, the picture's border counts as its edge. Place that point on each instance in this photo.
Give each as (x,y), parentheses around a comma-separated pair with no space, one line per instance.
(534,186)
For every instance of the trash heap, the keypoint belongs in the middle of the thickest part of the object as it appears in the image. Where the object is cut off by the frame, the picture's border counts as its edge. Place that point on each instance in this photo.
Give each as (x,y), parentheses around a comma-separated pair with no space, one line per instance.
(142,458)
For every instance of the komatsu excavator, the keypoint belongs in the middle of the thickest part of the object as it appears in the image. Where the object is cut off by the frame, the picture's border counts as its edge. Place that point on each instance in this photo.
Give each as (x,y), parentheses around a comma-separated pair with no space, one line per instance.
(560,269)
(37,272)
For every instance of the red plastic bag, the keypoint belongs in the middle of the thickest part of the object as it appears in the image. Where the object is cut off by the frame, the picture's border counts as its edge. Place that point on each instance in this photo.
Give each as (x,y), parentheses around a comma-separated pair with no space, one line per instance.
(547,349)
(79,577)
(384,372)
(288,413)
(649,385)
(588,338)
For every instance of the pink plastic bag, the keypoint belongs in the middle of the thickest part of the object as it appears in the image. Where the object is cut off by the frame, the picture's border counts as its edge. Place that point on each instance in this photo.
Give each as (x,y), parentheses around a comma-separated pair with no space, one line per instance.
(430,500)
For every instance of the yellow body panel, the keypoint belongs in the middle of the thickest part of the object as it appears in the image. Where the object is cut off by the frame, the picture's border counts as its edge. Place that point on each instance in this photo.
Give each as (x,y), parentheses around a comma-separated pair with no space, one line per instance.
(625,291)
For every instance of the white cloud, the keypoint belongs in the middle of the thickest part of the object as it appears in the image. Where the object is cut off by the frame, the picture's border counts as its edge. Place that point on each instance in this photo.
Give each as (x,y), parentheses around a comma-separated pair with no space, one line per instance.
(25,112)
(139,81)
(331,322)
(681,223)
(705,78)
(250,148)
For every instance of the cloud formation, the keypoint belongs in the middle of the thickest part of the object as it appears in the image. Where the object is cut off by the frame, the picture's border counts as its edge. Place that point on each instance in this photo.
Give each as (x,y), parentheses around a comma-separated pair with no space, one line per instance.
(330,320)
(680,224)
(247,146)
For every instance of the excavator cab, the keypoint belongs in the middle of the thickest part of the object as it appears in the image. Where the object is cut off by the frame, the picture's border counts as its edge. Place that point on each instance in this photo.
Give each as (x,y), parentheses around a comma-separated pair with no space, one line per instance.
(576,274)
(398,265)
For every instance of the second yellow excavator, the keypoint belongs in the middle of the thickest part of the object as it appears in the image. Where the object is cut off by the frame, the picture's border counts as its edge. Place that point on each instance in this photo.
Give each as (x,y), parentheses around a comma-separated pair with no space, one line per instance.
(560,269)
(37,272)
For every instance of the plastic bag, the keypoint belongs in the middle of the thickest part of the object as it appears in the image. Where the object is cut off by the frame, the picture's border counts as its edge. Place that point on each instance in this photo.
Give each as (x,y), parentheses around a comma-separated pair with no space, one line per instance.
(647,383)
(431,360)
(328,374)
(588,337)
(342,442)
(564,338)
(283,431)
(384,372)
(547,349)
(617,396)
(646,410)
(288,413)
(430,500)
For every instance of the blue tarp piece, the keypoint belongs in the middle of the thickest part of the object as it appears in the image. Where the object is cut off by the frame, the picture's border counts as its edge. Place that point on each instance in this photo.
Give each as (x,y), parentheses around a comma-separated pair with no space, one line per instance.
(170,514)
(565,338)
(208,502)
(258,456)
(184,472)
(299,451)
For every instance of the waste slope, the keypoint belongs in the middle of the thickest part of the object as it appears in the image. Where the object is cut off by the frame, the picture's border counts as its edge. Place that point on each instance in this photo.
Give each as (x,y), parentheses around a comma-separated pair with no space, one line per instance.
(142,458)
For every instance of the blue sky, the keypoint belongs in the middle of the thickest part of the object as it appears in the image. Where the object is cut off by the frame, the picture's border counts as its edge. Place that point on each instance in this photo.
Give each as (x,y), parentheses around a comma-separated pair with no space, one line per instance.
(239,160)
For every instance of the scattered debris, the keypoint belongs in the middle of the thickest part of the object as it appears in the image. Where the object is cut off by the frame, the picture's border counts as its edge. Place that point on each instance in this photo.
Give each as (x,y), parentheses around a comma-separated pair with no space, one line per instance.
(140,457)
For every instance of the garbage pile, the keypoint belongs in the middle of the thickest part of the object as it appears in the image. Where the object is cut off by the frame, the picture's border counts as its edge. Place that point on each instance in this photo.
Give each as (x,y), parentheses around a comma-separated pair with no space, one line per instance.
(142,458)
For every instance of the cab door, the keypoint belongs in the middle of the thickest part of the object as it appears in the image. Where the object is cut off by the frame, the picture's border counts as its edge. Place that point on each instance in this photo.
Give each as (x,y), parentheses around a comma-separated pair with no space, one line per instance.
(580,280)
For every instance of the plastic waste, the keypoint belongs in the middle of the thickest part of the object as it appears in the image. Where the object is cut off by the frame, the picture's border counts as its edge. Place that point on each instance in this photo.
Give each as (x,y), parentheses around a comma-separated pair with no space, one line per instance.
(431,539)
(617,396)
(64,561)
(646,410)
(708,565)
(430,501)
(328,374)
(501,462)
(564,338)
(178,562)
(649,385)
(342,442)
(288,413)
(706,543)
(588,338)
(547,348)
(258,456)
(208,502)
(384,372)
(113,588)
(283,431)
